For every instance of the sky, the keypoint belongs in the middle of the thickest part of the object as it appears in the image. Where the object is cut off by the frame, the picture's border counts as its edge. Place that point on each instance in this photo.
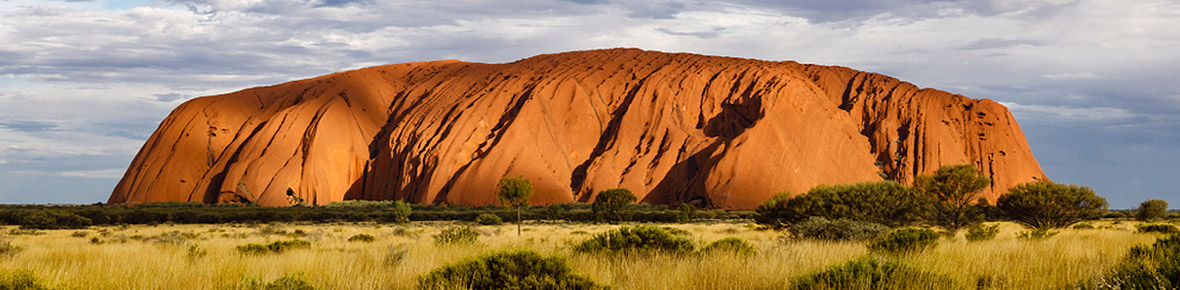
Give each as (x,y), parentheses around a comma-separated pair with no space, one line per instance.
(1094,84)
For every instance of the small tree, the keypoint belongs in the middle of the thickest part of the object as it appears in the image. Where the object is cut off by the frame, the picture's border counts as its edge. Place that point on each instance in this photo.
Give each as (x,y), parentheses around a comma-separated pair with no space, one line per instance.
(514,192)
(610,204)
(1044,204)
(401,212)
(955,186)
(1151,210)
(686,212)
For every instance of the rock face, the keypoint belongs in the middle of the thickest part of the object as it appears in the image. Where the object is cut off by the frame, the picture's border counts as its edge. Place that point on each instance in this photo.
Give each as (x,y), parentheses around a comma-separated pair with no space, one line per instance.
(712,131)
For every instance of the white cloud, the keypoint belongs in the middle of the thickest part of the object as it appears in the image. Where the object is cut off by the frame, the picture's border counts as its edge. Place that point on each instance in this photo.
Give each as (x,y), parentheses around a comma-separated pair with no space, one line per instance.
(1069,114)
(109,173)
(1071,76)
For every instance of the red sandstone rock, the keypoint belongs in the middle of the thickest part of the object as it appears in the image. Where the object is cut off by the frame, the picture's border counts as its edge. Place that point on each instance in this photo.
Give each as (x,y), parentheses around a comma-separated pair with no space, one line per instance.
(714,131)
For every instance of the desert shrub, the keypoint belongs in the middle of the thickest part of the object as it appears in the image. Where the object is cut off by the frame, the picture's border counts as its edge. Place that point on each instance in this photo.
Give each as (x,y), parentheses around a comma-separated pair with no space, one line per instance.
(885,202)
(401,212)
(1048,205)
(611,205)
(873,273)
(955,187)
(195,252)
(7,248)
(488,219)
(1036,234)
(836,230)
(686,213)
(48,220)
(366,238)
(982,232)
(1157,228)
(1083,226)
(1153,209)
(80,234)
(289,282)
(20,280)
(638,239)
(908,240)
(1154,267)
(276,247)
(732,245)
(395,255)
(457,235)
(506,270)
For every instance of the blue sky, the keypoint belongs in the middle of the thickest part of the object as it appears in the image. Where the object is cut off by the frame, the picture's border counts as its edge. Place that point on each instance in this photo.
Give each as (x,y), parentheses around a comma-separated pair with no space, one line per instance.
(1093,83)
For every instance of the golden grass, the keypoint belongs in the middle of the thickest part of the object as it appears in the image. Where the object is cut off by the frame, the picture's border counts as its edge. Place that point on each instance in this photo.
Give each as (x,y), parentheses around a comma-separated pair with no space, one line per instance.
(65,261)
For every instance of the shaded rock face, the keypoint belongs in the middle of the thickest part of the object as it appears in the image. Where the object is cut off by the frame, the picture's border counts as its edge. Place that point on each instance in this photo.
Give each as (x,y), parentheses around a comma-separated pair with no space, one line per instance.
(712,131)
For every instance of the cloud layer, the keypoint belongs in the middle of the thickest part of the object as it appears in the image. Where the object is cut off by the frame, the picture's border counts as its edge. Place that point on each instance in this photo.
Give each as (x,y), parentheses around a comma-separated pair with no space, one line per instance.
(82,84)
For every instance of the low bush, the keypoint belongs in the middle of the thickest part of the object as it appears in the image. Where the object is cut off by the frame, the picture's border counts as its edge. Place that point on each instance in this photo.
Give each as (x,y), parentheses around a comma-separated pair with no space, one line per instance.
(638,239)
(366,238)
(20,280)
(873,273)
(1083,226)
(1157,228)
(506,270)
(7,248)
(1154,267)
(458,235)
(48,220)
(289,282)
(276,247)
(903,241)
(488,219)
(732,245)
(1036,234)
(885,202)
(980,232)
(836,230)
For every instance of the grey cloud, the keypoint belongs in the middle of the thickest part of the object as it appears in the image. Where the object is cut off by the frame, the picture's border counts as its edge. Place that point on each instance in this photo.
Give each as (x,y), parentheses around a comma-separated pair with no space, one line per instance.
(698,34)
(995,43)
(170,97)
(29,126)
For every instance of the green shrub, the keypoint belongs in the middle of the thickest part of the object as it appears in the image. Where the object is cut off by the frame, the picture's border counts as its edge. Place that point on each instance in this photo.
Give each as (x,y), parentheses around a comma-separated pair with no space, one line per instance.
(982,232)
(955,187)
(20,280)
(458,235)
(611,205)
(401,212)
(289,282)
(1083,226)
(885,202)
(732,245)
(685,213)
(367,238)
(488,219)
(1155,267)
(1049,205)
(836,230)
(873,273)
(51,219)
(1157,228)
(1153,209)
(276,247)
(506,270)
(638,239)
(902,241)
(1036,234)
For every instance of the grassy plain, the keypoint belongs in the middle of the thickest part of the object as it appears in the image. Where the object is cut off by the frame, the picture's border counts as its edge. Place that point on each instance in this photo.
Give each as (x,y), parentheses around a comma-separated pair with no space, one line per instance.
(169,256)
